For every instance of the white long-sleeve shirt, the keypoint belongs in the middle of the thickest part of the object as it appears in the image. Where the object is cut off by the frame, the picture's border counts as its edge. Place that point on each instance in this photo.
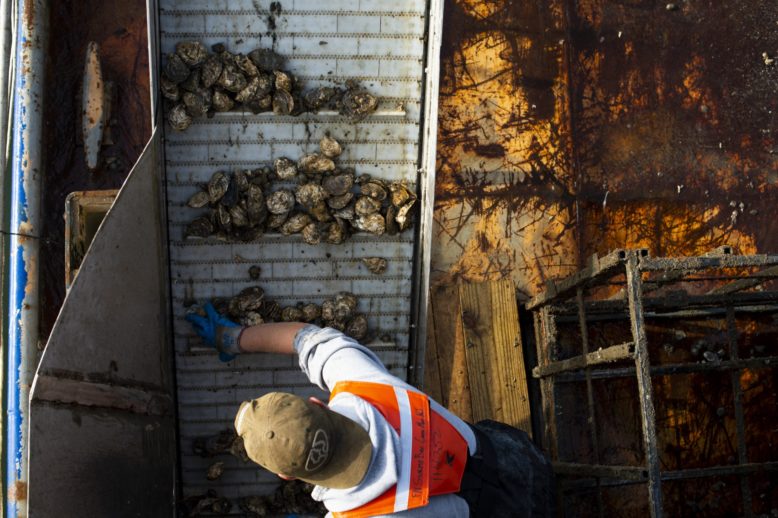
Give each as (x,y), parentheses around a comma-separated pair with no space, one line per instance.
(327,356)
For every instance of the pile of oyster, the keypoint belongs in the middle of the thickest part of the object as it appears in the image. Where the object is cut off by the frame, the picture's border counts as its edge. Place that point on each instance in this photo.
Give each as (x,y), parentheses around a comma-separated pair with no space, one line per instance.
(324,203)
(199,83)
(251,307)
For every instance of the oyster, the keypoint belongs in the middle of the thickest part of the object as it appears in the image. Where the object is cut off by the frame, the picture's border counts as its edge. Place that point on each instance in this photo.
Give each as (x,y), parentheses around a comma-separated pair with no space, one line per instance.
(392,228)
(346,212)
(338,185)
(191,83)
(215,470)
(213,445)
(319,97)
(192,53)
(310,194)
(241,179)
(232,79)
(218,48)
(320,212)
(266,59)
(249,92)
(175,69)
(366,205)
(330,147)
(310,312)
(283,102)
(376,265)
(197,104)
(345,305)
(217,186)
(400,193)
(374,189)
(312,234)
(291,314)
(221,102)
(286,169)
(336,233)
(255,204)
(337,324)
(357,104)
(270,310)
(357,327)
(223,218)
(339,202)
(178,118)
(200,227)
(315,163)
(238,449)
(199,200)
(260,104)
(265,85)
(246,66)
(373,223)
(276,220)
(295,223)
(210,71)
(238,216)
(283,81)
(247,300)
(280,202)
(169,88)
(252,318)
(404,216)
(328,310)
(254,272)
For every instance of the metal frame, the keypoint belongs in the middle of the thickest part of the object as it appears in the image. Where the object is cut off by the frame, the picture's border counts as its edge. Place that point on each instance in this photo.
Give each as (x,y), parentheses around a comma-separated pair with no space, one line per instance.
(564,301)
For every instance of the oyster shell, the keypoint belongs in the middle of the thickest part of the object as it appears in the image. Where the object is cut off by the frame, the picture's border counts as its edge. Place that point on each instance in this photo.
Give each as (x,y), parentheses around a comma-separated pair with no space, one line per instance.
(192,53)
(319,97)
(295,223)
(357,327)
(210,71)
(217,186)
(232,79)
(280,202)
(315,163)
(345,305)
(238,216)
(330,147)
(338,184)
(240,177)
(169,88)
(276,220)
(286,169)
(221,102)
(392,228)
(199,200)
(215,470)
(249,92)
(374,189)
(335,233)
(283,102)
(340,202)
(191,83)
(178,118)
(223,218)
(270,310)
(310,312)
(252,318)
(200,227)
(249,299)
(260,104)
(310,194)
(312,234)
(254,272)
(255,204)
(346,212)
(373,223)
(375,265)
(246,66)
(400,193)
(366,205)
(404,216)
(266,59)
(197,104)
(175,69)
(328,310)
(320,212)
(291,314)
(337,324)
(357,104)
(283,81)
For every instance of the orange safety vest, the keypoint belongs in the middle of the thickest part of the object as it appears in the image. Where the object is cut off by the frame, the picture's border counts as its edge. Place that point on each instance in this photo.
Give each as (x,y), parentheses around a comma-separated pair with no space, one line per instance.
(434,453)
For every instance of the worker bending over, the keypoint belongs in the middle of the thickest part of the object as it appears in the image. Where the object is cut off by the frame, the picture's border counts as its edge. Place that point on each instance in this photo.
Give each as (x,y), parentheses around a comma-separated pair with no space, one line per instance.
(380,447)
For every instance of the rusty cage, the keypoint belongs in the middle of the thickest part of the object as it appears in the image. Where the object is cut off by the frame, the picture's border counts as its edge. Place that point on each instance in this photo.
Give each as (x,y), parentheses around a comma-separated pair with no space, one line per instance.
(688,318)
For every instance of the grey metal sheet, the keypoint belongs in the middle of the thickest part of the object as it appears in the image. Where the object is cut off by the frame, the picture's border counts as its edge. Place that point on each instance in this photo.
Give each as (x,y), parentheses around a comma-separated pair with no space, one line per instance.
(382,45)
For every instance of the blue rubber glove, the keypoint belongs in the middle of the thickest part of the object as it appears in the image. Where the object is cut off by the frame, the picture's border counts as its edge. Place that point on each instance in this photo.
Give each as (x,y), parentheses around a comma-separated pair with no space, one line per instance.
(218,331)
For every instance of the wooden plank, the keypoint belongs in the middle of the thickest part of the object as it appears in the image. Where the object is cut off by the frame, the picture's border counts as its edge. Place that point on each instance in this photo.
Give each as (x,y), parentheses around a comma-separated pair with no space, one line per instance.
(450,348)
(431,368)
(494,353)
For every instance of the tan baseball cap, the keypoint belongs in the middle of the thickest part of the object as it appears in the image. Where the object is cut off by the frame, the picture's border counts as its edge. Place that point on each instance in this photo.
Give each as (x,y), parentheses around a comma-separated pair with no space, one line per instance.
(289,435)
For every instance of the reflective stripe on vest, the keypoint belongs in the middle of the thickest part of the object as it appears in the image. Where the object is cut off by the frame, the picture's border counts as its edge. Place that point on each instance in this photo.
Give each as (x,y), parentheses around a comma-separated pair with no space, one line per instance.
(433,454)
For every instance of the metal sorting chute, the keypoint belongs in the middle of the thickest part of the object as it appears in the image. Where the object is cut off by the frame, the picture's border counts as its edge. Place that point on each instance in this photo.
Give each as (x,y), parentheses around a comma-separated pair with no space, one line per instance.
(392,49)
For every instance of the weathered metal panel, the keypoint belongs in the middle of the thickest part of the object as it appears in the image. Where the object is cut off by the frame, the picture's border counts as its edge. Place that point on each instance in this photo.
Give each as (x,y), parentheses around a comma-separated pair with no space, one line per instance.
(102,423)
(380,44)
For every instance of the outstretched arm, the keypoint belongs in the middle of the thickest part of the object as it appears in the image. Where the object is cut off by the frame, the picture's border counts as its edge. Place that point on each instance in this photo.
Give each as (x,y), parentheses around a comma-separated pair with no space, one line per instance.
(276,337)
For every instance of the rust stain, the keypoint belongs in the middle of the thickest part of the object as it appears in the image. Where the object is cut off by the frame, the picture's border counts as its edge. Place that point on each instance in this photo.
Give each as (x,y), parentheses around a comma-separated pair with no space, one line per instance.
(18,491)
(29,12)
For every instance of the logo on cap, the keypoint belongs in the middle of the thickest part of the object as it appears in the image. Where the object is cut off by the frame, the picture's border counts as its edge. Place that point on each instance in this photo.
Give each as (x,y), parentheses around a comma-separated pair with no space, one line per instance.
(320,449)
